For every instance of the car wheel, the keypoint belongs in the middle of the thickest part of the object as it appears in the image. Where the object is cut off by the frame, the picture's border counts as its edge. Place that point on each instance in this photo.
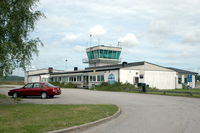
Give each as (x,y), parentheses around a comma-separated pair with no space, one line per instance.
(15,95)
(43,95)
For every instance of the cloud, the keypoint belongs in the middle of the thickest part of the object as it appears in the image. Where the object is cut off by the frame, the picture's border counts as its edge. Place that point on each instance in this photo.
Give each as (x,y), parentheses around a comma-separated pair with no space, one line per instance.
(79,48)
(97,30)
(71,37)
(160,27)
(54,22)
(192,37)
(129,40)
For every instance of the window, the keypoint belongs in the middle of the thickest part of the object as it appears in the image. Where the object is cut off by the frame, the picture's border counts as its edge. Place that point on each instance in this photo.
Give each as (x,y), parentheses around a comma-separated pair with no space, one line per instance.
(70,79)
(98,78)
(58,79)
(74,78)
(49,85)
(179,80)
(28,85)
(185,80)
(90,78)
(37,85)
(94,78)
(141,76)
(102,78)
(78,78)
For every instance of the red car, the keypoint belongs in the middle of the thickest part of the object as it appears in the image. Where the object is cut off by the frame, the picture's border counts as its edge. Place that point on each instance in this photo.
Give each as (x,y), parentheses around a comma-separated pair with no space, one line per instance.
(36,89)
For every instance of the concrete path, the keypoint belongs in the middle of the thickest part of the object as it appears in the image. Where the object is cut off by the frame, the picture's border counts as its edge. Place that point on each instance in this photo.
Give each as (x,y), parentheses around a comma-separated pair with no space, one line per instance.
(141,113)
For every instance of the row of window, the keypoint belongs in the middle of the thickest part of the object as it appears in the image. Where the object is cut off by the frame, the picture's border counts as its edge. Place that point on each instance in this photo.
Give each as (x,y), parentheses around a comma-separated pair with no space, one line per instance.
(93,78)
(109,54)
(67,79)
(180,80)
(97,78)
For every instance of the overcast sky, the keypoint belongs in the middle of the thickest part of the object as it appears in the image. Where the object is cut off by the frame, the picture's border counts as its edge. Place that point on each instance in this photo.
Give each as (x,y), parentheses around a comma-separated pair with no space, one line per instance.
(163,32)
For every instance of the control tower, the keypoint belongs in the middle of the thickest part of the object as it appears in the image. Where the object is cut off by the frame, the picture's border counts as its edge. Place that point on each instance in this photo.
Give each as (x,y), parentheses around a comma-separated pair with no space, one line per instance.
(102,55)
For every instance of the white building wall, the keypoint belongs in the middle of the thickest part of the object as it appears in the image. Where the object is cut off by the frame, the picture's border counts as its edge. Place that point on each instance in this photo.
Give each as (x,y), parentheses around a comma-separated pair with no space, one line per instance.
(160,79)
(33,79)
(114,72)
(44,78)
(127,76)
(193,81)
(105,73)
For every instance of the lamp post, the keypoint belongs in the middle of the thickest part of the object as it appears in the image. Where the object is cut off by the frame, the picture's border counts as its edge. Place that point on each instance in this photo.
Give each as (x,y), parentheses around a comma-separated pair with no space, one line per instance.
(66,63)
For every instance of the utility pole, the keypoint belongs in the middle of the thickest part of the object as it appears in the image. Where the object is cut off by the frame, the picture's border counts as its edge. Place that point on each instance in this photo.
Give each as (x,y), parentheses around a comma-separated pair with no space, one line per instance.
(66,63)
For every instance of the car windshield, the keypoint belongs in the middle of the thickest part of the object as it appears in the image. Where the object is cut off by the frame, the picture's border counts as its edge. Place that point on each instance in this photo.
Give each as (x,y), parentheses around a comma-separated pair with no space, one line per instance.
(49,85)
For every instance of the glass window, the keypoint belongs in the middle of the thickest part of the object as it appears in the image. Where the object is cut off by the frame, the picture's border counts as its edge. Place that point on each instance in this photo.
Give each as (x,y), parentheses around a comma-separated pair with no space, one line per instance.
(37,85)
(49,85)
(74,78)
(70,79)
(185,80)
(102,78)
(179,80)
(94,78)
(30,85)
(101,53)
(78,78)
(98,78)
(90,78)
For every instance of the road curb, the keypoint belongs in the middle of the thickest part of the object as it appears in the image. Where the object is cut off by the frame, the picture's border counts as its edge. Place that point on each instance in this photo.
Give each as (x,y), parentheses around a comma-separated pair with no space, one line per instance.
(87,125)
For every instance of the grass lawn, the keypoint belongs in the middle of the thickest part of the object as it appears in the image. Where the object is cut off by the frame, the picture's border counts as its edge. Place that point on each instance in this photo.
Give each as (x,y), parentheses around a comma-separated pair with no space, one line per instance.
(37,118)
(11,82)
(178,94)
(2,96)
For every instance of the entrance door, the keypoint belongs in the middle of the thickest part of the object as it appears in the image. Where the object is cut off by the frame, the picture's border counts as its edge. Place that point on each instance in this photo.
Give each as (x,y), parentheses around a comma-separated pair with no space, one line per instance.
(85,81)
(135,80)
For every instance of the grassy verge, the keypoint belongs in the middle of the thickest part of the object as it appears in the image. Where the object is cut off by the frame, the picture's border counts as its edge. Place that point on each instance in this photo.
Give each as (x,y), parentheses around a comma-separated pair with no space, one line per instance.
(115,87)
(132,89)
(2,96)
(32,118)
(64,85)
(11,82)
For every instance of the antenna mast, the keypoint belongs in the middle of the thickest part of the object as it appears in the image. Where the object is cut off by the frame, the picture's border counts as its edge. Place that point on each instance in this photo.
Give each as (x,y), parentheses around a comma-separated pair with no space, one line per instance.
(90,39)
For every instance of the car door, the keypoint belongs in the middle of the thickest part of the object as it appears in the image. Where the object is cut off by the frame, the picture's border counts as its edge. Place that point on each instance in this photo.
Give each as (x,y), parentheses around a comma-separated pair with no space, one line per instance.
(26,91)
(36,89)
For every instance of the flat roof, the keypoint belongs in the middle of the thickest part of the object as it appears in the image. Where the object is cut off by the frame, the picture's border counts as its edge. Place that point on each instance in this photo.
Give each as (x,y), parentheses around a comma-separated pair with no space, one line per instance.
(181,70)
(114,67)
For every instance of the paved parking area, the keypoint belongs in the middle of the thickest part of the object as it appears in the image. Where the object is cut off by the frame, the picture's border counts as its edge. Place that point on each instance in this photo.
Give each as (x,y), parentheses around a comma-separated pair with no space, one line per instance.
(141,113)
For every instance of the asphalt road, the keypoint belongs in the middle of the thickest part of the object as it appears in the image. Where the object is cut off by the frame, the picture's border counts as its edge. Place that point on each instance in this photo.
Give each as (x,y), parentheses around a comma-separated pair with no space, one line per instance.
(141,113)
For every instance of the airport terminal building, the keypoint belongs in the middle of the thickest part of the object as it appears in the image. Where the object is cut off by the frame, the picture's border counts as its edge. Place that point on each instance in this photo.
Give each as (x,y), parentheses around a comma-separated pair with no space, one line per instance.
(104,66)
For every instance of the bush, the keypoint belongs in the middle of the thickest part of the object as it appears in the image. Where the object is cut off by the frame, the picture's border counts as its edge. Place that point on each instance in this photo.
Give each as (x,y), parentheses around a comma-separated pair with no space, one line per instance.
(117,86)
(64,85)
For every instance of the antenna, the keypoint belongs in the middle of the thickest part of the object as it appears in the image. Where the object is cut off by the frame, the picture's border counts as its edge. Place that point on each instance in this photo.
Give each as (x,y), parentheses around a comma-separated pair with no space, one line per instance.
(90,39)
(66,63)
(118,43)
(98,41)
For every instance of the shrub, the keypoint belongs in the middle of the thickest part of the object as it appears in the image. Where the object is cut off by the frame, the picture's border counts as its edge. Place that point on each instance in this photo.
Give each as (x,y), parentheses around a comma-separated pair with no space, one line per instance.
(64,85)
(117,86)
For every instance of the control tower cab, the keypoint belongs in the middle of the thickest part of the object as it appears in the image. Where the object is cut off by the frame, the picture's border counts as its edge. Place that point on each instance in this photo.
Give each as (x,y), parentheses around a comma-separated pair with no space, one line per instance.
(102,55)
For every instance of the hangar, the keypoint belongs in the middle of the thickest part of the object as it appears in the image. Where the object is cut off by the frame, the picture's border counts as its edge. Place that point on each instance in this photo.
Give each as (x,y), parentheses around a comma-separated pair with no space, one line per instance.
(104,66)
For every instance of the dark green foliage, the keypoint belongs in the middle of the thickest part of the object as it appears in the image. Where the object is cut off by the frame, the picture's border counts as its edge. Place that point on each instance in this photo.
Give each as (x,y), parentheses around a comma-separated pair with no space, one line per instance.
(12,78)
(64,85)
(115,87)
(198,77)
(17,20)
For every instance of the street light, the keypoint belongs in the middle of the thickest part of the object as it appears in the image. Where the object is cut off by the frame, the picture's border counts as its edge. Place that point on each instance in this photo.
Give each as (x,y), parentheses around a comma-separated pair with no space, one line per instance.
(66,63)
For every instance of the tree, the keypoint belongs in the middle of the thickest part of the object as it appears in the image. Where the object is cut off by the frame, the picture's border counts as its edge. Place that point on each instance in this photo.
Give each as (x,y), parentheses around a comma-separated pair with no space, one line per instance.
(17,21)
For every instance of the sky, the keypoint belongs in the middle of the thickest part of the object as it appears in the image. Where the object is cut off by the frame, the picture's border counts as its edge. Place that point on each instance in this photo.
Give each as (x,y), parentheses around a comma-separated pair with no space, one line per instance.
(163,32)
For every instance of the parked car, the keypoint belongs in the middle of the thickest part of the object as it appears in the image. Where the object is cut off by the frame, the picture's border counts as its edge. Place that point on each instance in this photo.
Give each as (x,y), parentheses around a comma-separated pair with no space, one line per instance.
(36,89)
